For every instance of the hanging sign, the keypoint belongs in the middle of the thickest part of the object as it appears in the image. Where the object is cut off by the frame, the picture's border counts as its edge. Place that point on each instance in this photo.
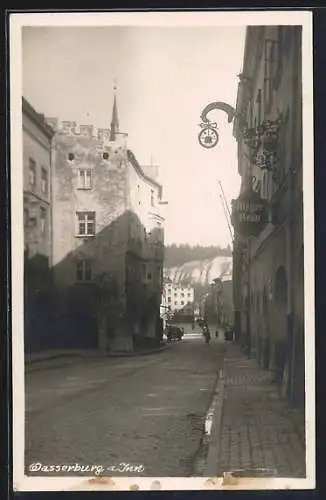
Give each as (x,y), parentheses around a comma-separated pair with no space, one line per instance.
(208,137)
(249,213)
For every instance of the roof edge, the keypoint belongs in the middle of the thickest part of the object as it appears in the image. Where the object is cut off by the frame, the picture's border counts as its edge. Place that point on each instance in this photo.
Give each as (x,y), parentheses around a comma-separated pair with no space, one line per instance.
(133,160)
(37,118)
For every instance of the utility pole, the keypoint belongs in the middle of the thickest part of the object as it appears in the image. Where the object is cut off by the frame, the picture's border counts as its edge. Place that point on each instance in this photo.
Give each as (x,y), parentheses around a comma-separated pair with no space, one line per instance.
(225,200)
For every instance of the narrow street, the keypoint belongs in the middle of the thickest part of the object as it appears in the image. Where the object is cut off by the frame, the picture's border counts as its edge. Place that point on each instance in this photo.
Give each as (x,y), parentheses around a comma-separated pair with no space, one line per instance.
(147,411)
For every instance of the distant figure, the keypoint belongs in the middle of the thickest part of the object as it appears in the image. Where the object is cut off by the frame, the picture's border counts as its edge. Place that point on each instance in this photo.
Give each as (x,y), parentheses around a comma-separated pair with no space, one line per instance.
(216,333)
(207,334)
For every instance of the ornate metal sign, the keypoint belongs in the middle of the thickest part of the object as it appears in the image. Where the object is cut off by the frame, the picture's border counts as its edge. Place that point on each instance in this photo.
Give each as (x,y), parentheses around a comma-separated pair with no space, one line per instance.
(208,137)
(266,160)
(263,144)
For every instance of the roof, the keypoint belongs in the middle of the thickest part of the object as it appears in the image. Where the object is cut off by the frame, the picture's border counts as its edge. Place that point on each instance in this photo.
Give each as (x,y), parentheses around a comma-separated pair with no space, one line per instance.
(37,118)
(139,170)
(115,120)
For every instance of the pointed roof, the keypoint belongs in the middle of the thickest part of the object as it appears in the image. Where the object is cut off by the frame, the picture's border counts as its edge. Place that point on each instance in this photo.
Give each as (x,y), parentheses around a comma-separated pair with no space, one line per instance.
(115,118)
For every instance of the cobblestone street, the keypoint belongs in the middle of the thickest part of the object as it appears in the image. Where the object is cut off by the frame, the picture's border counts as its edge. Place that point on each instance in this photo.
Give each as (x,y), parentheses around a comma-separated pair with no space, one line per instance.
(144,411)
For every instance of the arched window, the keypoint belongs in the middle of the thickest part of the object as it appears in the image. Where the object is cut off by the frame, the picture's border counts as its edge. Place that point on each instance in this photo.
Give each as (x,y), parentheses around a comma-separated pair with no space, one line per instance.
(26,217)
(265,303)
(281,288)
(263,186)
(279,57)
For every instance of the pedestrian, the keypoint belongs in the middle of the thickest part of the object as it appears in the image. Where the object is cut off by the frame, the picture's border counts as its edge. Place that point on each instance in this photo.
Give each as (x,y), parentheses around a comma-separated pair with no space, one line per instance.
(216,333)
(207,335)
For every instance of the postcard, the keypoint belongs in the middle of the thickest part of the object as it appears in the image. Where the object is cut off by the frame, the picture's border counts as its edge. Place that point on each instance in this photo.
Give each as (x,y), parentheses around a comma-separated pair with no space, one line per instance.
(162,201)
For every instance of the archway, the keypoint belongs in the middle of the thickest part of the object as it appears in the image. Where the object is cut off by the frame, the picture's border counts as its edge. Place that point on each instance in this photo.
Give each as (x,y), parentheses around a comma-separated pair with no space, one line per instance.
(298,372)
(281,345)
(266,339)
(281,289)
(246,343)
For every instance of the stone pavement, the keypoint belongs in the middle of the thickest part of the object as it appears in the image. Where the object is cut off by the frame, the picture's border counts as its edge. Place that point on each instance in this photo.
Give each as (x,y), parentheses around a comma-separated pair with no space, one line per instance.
(147,411)
(258,429)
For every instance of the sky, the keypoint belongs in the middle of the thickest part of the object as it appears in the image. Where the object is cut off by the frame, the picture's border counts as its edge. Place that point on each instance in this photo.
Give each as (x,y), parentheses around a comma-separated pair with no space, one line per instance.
(165,76)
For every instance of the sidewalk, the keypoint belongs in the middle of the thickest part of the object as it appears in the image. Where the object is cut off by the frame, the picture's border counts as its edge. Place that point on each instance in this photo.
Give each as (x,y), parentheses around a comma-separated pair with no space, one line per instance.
(257,430)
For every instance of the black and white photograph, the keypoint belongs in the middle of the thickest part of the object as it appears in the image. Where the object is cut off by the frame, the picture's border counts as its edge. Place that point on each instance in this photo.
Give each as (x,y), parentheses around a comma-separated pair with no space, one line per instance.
(162,201)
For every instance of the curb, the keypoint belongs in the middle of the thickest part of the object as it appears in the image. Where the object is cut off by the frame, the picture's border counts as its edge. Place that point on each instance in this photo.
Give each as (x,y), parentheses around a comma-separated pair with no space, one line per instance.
(212,461)
(34,365)
(133,354)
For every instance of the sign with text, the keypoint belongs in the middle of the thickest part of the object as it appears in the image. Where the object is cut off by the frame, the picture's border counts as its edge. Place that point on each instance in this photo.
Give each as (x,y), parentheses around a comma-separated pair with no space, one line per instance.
(249,214)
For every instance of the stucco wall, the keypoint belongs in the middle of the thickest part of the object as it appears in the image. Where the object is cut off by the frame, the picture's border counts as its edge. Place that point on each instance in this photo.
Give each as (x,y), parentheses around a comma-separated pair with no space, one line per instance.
(36,146)
(119,248)
(268,310)
(107,198)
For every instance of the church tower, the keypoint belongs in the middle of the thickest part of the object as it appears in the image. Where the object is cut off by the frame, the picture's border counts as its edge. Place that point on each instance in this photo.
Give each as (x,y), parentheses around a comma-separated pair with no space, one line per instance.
(115,119)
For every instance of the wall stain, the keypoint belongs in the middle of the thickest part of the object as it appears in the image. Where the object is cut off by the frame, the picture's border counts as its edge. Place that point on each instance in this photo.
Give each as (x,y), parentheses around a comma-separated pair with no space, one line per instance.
(156,485)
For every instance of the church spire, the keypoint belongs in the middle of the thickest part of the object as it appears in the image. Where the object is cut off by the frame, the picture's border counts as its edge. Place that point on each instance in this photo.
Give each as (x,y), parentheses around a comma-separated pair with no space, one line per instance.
(115,119)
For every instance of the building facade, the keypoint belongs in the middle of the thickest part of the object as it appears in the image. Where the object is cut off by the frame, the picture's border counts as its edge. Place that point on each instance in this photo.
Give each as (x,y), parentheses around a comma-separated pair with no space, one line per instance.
(179,300)
(268,267)
(108,240)
(37,202)
(217,303)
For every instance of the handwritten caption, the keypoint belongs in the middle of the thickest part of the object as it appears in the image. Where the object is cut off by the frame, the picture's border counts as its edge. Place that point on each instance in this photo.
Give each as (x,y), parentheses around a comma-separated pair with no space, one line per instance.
(96,469)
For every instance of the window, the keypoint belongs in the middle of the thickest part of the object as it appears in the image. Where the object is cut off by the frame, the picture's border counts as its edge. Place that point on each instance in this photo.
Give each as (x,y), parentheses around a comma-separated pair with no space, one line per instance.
(105,155)
(258,101)
(43,220)
(182,303)
(182,295)
(86,223)
(265,186)
(84,178)
(84,270)
(270,59)
(169,299)
(44,181)
(152,197)
(149,276)
(32,173)
(279,57)
(175,302)
(71,156)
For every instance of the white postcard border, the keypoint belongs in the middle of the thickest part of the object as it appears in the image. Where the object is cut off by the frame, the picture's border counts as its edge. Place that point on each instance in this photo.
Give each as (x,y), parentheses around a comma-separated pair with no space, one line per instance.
(235,18)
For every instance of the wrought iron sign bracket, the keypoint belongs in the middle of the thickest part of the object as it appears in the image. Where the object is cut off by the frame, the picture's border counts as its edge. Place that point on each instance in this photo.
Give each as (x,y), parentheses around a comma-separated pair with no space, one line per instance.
(208,136)
(262,142)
